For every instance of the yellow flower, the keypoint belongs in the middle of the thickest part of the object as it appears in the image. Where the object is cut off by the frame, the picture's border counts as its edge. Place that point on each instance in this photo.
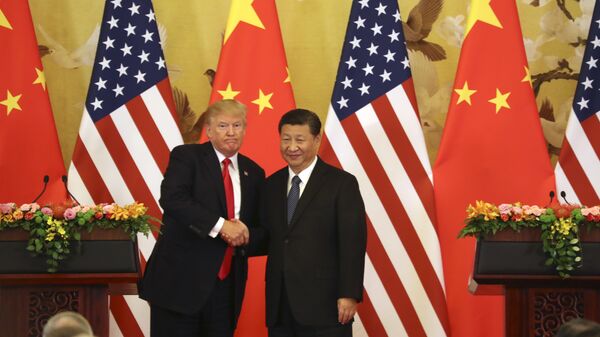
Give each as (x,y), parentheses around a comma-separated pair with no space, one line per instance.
(119,213)
(55,227)
(136,209)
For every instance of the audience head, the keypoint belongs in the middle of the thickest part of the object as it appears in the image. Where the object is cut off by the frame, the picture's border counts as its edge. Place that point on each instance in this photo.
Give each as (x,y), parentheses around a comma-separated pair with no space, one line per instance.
(579,327)
(67,324)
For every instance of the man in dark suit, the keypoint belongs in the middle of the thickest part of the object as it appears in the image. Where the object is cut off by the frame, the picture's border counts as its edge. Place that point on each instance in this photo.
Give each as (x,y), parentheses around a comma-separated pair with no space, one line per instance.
(314,219)
(194,279)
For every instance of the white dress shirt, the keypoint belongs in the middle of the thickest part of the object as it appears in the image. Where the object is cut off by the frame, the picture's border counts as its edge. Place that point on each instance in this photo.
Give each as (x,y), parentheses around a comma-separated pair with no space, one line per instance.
(304,175)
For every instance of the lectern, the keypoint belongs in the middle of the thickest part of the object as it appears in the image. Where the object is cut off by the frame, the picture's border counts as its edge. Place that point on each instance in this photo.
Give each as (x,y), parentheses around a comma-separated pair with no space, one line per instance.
(103,263)
(538,301)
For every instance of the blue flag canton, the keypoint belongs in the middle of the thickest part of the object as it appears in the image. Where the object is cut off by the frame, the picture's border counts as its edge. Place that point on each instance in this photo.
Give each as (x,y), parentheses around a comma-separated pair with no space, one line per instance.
(586,102)
(374,57)
(129,59)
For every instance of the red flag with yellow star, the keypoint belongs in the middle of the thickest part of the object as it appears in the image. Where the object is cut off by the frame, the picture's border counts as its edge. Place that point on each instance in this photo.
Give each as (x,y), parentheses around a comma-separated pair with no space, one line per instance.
(29,147)
(253,70)
(492,149)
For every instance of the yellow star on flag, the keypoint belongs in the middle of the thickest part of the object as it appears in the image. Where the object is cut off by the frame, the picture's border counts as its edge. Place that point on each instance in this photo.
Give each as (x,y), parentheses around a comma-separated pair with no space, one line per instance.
(288,79)
(527,77)
(263,101)
(228,93)
(500,100)
(4,21)
(241,11)
(41,78)
(482,11)
(464,94)
(11,102)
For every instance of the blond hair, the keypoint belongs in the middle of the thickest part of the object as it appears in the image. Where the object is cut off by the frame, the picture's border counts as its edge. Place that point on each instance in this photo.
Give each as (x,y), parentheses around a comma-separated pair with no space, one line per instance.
(227,106)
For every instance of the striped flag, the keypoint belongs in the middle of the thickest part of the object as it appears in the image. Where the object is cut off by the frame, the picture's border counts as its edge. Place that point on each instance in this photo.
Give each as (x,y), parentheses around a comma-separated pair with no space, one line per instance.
(578,169)
(373,131)
(127,131)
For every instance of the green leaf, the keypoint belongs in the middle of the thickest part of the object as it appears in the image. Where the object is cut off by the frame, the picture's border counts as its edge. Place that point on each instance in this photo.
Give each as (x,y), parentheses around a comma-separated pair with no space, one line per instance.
(549,262)
(578,259)
(574,241)
(576,248)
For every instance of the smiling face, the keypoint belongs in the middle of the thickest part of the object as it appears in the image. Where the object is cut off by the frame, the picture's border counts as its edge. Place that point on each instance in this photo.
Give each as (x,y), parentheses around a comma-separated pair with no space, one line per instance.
(298,146)
(226,132)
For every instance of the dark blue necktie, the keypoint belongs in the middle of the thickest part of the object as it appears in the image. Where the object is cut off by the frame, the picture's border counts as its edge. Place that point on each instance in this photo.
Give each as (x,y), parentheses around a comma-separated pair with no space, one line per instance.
(293,198)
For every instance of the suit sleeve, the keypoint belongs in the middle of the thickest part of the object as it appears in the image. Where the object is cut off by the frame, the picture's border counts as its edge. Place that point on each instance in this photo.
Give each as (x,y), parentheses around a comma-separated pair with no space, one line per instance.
(352,239)
(259,235)
(177,198)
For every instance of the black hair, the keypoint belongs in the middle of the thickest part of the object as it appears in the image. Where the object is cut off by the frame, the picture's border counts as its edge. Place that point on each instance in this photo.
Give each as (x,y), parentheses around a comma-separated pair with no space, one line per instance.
(302,117)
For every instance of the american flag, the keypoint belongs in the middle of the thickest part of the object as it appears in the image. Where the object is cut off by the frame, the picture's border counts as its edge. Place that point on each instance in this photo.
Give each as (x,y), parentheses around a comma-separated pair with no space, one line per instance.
(373,131)
(127,131)
(578,169)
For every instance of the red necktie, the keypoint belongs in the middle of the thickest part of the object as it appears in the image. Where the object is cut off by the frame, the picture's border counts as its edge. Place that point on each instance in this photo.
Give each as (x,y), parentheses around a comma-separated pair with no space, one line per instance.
(226,265)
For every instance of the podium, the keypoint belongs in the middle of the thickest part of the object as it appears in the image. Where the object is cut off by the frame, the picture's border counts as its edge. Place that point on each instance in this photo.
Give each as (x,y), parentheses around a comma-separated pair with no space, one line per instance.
(537,300)
(103,263)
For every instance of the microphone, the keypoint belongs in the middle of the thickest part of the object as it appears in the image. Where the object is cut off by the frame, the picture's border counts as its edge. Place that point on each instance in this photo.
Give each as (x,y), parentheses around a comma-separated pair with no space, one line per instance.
(64,180)
(563,194)
(46,180)
(551,195)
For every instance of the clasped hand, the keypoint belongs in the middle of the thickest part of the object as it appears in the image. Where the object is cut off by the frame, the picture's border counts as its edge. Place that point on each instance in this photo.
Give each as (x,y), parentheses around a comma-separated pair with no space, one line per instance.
(235,233)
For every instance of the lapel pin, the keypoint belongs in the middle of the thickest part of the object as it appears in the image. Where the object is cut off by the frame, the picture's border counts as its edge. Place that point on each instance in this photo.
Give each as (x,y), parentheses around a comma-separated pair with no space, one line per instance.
(246,173)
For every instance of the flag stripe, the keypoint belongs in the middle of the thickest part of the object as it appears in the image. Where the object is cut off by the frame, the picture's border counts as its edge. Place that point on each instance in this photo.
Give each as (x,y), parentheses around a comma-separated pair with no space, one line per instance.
(591,127)
(576,175)
(136,148)
(585,154)
(140,311)
(370,322)
(126,166)
(124,318)
(409,90)
(386,230)
(384,307)
(563,183)
(164,87)
(77,184)
(419,179)
(392,284)
(149,131)
(102,160)
(89,174)
(162,116)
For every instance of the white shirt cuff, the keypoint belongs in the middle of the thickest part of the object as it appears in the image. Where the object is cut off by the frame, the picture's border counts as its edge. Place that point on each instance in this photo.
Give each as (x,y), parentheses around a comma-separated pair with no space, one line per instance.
(217,228)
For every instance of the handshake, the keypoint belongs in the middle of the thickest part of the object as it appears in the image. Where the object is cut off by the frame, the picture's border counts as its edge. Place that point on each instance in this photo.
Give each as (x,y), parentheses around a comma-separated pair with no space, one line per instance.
(235,233)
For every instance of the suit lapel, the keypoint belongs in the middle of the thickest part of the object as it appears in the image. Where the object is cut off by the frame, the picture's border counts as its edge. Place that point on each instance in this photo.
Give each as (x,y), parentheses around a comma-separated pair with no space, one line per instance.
(315,182)
(214,168)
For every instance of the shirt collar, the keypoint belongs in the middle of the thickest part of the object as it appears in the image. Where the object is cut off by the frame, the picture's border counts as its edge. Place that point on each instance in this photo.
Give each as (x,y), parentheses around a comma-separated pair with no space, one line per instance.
(234,158)
(304,175)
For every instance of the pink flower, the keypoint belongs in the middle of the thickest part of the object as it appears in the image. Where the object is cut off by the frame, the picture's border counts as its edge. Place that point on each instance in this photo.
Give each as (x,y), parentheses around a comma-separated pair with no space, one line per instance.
(504,217)
(25,207)
(76,209)
(517,210)
(107,209)
(34,207)
(46,210)
(593,211)
(69,214)
(6,208)
(505,208)
(85,209)
(28,216)
(533,210)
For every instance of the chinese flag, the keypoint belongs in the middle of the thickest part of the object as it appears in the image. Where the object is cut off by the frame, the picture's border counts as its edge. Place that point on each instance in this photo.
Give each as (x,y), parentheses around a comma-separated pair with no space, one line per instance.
(492,149)
(29,147)
(253,70)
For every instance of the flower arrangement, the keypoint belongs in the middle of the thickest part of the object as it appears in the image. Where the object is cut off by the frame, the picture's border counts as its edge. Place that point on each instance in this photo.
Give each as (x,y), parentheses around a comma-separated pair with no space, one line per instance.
(52,228)
(559,225)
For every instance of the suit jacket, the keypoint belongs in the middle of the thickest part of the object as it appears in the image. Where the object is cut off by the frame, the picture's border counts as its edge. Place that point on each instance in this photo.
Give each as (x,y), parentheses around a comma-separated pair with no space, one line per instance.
(320,256)
(183,267)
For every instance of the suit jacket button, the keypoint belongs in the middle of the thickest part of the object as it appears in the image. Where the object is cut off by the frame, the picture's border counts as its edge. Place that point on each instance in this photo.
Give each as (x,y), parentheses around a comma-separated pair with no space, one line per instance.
(286,241)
